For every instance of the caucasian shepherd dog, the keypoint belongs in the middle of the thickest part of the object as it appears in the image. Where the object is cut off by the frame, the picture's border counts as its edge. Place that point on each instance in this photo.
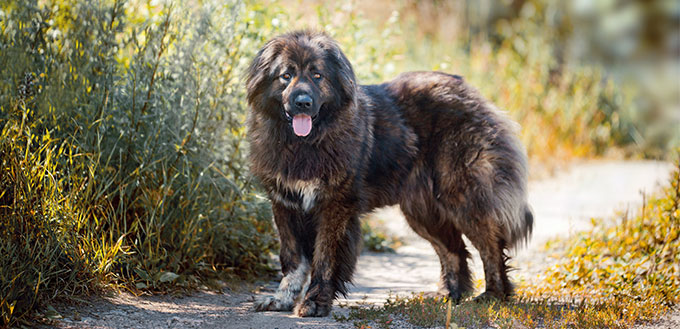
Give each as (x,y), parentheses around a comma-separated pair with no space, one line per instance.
(328,150)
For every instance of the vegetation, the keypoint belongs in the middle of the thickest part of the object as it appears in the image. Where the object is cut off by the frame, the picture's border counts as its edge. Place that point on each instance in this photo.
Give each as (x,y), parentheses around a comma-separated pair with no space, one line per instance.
(122,150)
(630,266)
(613,276)
(122,154)
(376,240)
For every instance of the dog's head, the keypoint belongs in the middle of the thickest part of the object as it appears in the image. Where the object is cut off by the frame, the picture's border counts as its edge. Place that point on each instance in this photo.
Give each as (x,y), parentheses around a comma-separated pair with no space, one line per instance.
(301,78)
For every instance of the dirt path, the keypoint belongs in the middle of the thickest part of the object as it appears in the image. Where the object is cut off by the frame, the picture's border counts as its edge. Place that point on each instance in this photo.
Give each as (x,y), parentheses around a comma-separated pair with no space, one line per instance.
(562,205)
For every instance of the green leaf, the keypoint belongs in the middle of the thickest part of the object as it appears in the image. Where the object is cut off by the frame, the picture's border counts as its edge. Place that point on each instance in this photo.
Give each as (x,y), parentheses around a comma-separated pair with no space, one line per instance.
(168,277)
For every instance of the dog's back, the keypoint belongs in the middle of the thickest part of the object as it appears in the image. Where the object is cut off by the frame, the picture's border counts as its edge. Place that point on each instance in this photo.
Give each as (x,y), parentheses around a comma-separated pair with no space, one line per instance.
(434,124)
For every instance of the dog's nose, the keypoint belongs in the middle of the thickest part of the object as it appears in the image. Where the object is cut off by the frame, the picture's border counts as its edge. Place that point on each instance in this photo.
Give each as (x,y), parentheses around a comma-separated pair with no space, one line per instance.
(303,102)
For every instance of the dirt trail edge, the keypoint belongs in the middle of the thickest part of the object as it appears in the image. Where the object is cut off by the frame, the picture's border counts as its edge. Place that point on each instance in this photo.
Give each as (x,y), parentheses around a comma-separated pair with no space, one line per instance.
(562,205)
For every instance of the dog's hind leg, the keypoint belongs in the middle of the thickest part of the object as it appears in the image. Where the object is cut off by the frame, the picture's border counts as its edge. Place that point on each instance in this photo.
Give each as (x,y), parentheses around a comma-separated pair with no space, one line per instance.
(447,241)
(486,238)
(456,280)
(295,257)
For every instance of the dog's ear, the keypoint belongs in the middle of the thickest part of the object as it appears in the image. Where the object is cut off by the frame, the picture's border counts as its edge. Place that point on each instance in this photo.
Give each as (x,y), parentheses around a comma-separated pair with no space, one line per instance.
(346,75)
(344,72)
(260,71)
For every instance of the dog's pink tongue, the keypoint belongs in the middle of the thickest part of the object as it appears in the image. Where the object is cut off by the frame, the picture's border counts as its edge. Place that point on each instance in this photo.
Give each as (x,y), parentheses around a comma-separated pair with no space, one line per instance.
(302,124)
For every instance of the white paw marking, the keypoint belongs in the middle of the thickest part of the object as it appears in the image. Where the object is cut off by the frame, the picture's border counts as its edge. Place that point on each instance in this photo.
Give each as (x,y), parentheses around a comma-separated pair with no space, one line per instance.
(292,285)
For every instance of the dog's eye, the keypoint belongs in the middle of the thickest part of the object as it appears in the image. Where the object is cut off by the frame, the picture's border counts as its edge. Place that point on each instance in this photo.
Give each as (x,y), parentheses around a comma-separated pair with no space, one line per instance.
(316,76)
(285,76)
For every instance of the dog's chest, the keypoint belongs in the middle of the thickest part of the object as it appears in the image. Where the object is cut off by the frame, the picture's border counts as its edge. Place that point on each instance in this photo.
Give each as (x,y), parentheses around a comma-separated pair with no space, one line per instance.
(297,194)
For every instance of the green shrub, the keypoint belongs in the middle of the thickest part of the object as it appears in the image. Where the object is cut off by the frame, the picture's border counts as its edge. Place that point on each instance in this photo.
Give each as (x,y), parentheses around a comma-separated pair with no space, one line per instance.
(122,149)
(566,109)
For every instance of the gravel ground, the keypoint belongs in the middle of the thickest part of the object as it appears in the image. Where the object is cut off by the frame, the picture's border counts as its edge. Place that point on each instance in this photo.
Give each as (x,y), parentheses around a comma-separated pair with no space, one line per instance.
(562,205)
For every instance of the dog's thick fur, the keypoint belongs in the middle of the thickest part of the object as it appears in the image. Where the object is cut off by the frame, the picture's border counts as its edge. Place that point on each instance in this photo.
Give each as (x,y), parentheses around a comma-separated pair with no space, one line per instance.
(425,141)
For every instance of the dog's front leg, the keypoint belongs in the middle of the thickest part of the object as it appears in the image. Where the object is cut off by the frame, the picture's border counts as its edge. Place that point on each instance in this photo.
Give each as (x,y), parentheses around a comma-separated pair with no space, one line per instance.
(295,258)
(335,255)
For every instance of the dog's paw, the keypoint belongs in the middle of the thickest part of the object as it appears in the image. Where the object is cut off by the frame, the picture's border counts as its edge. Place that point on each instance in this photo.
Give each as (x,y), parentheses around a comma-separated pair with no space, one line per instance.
(271,303)
(311,308)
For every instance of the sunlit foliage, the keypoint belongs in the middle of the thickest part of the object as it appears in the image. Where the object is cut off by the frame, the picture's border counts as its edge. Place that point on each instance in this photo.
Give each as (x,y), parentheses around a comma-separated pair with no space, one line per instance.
(123,157)
(630,268)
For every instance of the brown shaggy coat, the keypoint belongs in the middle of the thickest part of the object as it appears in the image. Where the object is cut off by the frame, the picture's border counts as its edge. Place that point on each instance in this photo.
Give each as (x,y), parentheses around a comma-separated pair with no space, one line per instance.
(425,141)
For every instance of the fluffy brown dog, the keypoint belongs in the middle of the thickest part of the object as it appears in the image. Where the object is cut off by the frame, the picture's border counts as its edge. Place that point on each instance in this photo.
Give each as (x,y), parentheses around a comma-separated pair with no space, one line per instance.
(328,150)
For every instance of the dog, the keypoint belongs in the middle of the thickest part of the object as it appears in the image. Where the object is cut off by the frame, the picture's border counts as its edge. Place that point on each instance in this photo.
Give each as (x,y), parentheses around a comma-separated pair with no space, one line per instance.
(327,150)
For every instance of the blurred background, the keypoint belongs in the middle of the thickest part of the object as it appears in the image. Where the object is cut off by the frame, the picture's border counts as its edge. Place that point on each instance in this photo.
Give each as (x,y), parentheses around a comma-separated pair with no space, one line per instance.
(632,42)
(122,137)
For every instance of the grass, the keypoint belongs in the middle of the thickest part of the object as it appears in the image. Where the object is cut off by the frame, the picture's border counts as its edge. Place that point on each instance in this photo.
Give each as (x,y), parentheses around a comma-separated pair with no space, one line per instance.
(613,276)
(38,263)
(436,312)
(630,267)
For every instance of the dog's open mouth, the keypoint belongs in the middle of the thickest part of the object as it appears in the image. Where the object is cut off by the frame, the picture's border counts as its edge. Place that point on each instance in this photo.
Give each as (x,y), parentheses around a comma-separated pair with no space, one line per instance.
(301,123)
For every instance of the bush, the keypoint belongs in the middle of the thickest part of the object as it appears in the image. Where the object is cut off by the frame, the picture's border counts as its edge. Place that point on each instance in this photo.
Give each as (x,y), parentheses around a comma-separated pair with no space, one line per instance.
(375,239)
(566,109)
(122,149)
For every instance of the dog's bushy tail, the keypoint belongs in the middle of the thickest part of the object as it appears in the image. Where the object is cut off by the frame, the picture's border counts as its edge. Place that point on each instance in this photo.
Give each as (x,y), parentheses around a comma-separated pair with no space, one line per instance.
(517,224)
(513,210)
